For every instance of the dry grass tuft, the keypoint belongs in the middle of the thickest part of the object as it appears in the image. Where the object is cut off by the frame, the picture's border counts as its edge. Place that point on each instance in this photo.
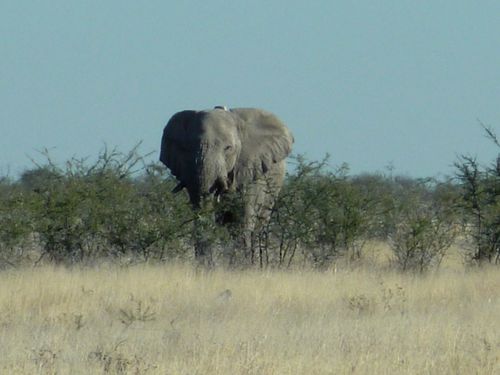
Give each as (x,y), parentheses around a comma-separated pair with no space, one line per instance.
(175,320)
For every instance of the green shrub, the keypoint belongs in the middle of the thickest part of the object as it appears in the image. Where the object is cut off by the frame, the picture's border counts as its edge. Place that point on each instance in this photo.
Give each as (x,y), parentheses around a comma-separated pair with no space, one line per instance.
(425,227)
(480,204)
(321,213)
(16,223)
(120,207)
(113,207)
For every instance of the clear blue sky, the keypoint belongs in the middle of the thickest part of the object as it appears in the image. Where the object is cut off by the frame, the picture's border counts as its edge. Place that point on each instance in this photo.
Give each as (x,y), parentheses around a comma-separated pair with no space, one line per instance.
(370,82)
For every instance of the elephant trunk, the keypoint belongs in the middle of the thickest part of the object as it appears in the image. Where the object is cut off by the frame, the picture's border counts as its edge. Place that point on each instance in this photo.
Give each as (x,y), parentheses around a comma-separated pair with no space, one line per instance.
(213,182)
(213,176)
(202,190)
(210,177)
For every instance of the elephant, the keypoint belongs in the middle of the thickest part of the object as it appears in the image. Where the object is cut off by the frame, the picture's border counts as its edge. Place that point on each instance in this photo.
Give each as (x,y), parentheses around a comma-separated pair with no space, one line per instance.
(220,151)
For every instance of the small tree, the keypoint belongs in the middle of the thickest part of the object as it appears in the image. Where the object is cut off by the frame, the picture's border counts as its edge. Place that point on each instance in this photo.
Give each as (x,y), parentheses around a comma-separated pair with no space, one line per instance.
(480,204)
(480,207)
(16,223)
(425,228)
(114,206)
(322,213)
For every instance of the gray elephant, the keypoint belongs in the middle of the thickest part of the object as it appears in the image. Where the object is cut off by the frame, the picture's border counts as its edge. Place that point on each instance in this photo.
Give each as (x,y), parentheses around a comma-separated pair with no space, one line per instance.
(215,152)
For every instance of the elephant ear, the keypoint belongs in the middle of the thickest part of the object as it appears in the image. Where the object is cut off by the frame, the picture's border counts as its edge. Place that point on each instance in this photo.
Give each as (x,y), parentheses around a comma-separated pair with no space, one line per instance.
(265,141)
(176,142)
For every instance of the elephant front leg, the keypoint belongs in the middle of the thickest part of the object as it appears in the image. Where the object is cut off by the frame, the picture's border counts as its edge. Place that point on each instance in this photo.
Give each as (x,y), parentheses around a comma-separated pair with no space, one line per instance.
(202,247)
(249,225)
(203,252)
(260,199)
(203,241)
(249,244)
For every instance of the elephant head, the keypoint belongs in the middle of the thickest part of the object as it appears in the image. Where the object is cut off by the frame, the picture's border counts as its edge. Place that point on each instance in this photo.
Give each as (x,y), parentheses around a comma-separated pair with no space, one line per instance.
(214,151)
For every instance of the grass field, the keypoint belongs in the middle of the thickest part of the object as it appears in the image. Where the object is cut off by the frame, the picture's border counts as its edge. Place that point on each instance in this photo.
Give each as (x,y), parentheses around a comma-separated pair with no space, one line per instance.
(176,320)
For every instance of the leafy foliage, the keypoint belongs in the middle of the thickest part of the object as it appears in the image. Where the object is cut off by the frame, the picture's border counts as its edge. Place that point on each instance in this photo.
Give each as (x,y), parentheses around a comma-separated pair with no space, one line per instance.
(84,212)
(119,207)
(480,205)
(425,226)
(322,213)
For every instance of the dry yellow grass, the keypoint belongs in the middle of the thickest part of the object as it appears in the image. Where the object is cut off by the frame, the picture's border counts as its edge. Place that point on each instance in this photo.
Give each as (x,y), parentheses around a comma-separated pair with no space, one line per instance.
(175,320)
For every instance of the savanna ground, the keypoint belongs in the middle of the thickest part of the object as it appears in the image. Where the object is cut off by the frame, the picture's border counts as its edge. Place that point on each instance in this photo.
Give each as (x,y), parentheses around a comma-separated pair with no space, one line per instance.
(174,319)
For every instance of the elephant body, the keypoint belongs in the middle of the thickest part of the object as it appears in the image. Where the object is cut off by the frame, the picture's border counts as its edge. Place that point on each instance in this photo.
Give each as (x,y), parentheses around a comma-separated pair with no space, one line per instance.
(216,152)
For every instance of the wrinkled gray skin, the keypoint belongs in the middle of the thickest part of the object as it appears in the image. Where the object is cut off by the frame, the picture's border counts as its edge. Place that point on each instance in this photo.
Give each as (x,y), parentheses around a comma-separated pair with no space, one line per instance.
(213,152)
